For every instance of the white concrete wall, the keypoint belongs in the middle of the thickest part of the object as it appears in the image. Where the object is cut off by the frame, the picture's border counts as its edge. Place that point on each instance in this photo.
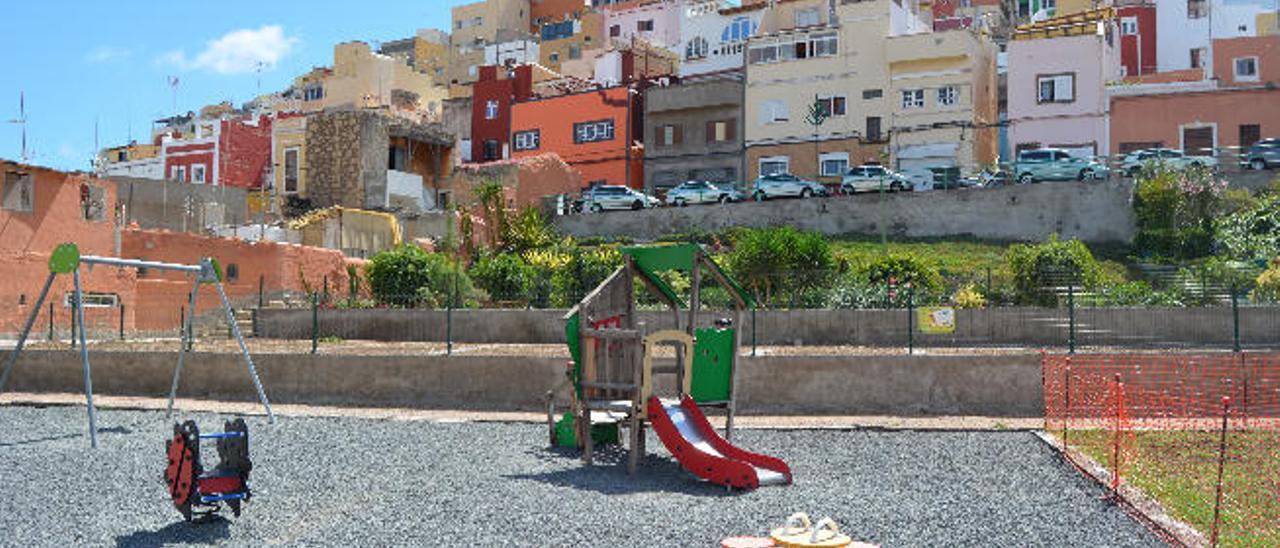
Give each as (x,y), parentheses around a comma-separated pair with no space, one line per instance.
(1178,35)
(701,21)
(147,168)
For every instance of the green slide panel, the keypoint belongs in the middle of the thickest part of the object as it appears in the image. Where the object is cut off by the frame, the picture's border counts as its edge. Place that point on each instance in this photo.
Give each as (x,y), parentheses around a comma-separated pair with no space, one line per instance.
(712,365)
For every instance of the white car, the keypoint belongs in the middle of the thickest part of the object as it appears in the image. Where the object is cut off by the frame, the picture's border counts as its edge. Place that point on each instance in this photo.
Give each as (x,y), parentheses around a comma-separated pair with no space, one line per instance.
(784,184)
(1136,160)
(872,178)
(702,192)
(603,197)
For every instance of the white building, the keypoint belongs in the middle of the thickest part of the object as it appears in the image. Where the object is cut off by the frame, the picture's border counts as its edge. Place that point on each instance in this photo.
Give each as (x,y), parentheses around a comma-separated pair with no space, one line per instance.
(713,36)
(1186,28)
(515,52)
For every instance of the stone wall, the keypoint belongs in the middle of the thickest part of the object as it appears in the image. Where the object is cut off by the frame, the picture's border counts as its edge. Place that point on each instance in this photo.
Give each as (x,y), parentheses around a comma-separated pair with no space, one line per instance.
(1094,212)
(341,146)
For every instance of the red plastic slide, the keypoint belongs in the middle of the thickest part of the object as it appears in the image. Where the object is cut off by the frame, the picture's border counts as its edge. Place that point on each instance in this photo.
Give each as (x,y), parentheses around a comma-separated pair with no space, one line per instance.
(699,449)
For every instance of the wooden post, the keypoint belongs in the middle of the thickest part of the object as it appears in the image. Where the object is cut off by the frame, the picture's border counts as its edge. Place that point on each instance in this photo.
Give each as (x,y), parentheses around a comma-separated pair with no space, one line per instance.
(637,401)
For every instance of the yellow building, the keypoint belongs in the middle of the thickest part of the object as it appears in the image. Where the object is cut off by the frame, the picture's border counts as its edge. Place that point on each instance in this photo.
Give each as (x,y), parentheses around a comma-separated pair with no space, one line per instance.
(943,92)
(129,153)
(1268,23)
(587,35)
(795,66)
(289,157)
(361,78)
(475,26)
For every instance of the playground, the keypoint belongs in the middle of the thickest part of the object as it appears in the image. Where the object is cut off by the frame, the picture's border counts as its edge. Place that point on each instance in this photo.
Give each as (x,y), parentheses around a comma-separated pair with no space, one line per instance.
(345,481)
(638,439)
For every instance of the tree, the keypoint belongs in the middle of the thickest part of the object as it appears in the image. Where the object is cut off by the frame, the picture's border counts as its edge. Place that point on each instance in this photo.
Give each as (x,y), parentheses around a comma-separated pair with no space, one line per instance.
(817,115)
(780,262)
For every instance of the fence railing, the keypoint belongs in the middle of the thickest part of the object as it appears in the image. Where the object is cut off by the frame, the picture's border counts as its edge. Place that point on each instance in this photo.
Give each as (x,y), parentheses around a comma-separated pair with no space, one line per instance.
(1198,433)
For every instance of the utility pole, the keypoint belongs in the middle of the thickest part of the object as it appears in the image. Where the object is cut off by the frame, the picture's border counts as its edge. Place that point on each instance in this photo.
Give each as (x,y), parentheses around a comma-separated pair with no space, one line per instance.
(21,120)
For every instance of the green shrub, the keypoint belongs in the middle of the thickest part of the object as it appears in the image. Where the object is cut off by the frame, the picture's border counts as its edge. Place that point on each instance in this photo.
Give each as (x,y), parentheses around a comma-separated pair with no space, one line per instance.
(1266,288)
(1252,233)
(969,297)
(504,276)
(1175,212)
(901,270)
(779,265)
(582,272)
(1039,269)
(529,229)
(407,276)
(1136,293)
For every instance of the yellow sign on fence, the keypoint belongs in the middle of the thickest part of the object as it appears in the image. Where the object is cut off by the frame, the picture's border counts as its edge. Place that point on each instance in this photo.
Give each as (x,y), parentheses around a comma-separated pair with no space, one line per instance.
(936,319)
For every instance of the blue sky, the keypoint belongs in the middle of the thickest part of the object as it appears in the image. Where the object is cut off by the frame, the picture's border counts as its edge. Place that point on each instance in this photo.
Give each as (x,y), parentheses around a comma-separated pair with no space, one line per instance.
(82,61)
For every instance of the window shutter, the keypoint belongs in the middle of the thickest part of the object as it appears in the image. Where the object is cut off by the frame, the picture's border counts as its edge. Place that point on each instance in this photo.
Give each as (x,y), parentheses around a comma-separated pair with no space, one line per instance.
(1064,88)
(711,132)
(677,134)
(731,129)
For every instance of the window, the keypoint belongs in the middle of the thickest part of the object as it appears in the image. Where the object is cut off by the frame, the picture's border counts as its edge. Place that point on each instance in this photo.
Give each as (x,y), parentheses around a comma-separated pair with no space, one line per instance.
(644,26)
(233,272)
(557,31)
(1196,9)
(555,57)
(868,94)
(593,132)
(696,48)
(178,173)
(527,140)
(808,17)
(490,152)
(575,51)
(313,92)
(291,170)
(775,165)
(471,70)
(1198,56)
(721,131)
(669,135)
(615,31)
(824,44)
(490,110)
(948,95)
(1246,69)
(912,98)
(738,30)
(833,164)
(873,129)
(832,105)
(774,112)
(1128,26)
(19,192)
(1056,88)
(92,300)
(197,174)
(1249,134)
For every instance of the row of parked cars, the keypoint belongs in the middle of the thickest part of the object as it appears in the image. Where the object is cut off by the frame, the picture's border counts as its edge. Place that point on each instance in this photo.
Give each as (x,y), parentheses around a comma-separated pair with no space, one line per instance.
(1031,166)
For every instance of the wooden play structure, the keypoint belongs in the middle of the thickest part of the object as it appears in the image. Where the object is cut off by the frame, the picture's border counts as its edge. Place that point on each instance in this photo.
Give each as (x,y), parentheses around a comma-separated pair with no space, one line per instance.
(613,369)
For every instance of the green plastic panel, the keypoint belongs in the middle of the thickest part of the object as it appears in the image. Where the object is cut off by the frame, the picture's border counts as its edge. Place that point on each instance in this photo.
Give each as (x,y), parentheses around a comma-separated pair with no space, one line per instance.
(658,258)
(65,259)
(712,365)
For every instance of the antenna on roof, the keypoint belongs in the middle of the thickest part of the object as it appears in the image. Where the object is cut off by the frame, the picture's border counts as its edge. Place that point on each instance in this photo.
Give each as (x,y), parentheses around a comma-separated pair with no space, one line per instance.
(22,121)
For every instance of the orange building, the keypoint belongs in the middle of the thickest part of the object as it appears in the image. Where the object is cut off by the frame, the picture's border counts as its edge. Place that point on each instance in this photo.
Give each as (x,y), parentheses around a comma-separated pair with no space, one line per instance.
(598,133)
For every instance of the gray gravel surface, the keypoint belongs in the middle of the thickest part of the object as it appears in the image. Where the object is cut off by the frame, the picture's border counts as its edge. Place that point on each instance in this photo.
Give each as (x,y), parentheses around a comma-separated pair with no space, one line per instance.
(359,482)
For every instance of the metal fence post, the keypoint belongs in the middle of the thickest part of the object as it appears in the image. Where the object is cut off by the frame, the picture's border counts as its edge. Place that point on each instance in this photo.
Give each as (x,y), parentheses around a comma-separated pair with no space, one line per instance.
(326,288)
(448,319)
(50,322)
(1071,318)
(1222,459)
(122,321)
(262,282)
(1235,319)
(315,322)
(753,330)
(911,320)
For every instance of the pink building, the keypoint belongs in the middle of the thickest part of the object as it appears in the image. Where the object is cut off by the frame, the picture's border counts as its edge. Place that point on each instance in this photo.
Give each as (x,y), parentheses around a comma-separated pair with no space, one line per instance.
(1058,73)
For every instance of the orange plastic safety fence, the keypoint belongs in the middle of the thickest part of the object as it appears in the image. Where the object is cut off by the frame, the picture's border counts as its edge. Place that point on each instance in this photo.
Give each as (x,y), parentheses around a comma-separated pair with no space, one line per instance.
(1172,425)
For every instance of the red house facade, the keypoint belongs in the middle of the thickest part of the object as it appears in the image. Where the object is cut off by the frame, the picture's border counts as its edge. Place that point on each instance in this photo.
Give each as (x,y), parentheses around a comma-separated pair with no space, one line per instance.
(596,132)
(232,152)
(491,102)
(1137,38)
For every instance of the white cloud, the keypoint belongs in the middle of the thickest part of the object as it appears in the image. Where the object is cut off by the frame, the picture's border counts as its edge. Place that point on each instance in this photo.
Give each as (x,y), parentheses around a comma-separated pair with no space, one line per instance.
(238,52)
(108,54)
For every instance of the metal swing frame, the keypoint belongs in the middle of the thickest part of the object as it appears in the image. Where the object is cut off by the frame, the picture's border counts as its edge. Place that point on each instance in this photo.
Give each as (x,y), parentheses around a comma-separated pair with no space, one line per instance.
(66,259)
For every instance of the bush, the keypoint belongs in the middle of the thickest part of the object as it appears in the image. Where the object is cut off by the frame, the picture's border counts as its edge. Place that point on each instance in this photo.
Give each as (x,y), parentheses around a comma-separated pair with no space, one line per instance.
(1253,233)
(530,229)
(969,297)
(1175,212)
(1266,288)
(582,272)
(407,276)
(779,265)
(1039,269)
(504,276)
(900,270)
(1137,293)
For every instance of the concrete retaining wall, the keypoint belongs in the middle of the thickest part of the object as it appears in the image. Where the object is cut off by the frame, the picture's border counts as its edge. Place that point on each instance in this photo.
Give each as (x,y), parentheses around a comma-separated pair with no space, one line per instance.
(1132,327)
(1095,212)
(898,385)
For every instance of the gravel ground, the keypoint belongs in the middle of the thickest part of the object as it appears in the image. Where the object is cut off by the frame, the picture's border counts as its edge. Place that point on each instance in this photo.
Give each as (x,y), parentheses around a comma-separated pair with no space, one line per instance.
(346,481)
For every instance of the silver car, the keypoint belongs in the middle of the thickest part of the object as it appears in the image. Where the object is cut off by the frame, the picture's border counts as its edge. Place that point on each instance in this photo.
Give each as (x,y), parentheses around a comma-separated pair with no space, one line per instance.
(1263,154)
(1136,160)
(605,197)
(784,184)
(871,178)
(702,192)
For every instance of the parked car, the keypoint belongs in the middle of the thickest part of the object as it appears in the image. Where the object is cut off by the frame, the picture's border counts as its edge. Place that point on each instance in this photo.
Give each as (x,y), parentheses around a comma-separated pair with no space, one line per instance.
(602,197)
(785,184)
(873,177)
(1051,164)
(1136,160)
(702,192)
(1263,154)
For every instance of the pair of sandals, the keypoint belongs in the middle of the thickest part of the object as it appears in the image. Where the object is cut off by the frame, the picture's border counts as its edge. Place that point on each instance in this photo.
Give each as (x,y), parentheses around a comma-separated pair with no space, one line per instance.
(799,532)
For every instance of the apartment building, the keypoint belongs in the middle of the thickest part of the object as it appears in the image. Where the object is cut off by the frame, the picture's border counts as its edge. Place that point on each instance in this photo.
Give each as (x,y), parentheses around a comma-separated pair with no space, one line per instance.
(714,35)
(693,131)
(656,22)
(597,132)
(1191,27)
(476,26)
(362,78)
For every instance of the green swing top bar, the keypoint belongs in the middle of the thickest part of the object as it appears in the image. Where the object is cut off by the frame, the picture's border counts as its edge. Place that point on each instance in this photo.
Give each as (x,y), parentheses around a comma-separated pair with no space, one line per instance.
(66,258)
